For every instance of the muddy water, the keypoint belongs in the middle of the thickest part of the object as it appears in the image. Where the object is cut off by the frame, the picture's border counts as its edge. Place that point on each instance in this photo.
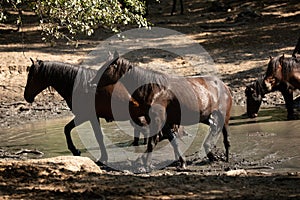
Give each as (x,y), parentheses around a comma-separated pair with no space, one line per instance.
(46,136)
(268,141)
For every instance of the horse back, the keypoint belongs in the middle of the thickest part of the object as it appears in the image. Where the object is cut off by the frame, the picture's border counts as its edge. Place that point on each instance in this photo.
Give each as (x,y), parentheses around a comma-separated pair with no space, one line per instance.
(212,94)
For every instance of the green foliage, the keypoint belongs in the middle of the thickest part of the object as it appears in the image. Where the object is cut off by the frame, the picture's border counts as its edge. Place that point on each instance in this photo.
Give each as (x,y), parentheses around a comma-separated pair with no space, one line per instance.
(60,18)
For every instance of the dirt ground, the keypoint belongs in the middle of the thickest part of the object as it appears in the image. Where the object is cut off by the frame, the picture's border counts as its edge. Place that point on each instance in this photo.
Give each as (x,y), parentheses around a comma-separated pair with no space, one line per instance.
(239,36)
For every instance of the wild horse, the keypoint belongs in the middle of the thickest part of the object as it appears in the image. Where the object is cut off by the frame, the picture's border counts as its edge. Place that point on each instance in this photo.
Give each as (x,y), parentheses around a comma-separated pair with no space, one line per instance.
(256,91)
(170,100)
(283,74)
(71,81)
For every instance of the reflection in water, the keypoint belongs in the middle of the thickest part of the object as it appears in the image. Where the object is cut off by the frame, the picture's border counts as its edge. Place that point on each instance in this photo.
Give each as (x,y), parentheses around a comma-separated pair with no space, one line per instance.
(266,140)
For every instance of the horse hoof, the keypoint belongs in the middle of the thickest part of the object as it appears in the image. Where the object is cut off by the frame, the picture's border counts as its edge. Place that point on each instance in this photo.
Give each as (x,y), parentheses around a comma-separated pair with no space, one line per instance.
(76,152)
(135,144)
(103,159)
(211,157)
(99,163)
(292,117)
(181,166)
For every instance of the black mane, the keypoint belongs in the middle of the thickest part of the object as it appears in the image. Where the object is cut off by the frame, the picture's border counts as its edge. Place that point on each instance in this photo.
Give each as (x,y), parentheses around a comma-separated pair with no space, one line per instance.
(141,75)
(289,64)
(63,73)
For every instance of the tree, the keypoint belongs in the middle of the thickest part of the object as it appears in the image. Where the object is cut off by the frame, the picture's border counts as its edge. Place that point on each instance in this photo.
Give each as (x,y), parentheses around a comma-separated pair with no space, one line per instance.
(67,18)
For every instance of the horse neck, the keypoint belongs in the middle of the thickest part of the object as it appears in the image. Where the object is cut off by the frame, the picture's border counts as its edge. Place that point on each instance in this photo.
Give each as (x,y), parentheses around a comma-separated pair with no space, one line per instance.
(144,83)
(62,80)
(260,87)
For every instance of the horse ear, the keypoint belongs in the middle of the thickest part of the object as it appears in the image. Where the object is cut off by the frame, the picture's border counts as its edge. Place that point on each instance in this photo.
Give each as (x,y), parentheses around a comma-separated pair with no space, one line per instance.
(35,62)
(281,58)
(116,55)
(270,57)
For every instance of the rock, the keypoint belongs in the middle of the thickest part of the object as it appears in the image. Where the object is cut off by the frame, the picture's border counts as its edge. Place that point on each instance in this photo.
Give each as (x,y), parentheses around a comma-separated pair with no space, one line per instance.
(60,163)
(238,172)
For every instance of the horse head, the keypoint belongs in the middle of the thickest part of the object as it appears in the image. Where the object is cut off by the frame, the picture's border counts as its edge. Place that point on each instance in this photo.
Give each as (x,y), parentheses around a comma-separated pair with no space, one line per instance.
(35,83)
(254,94)
(273,75)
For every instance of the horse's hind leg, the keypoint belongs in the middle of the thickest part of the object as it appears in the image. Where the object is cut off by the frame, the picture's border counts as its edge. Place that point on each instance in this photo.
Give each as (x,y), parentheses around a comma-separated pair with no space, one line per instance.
(216,122)
(226,141)
(71,146)
(99,137)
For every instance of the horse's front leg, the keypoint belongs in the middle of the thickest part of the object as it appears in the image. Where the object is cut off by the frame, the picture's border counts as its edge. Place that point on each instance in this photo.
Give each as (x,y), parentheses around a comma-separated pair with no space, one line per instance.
(174,142)
(136,138)
(288,98)
(99,137)
(147,158)
(71,146)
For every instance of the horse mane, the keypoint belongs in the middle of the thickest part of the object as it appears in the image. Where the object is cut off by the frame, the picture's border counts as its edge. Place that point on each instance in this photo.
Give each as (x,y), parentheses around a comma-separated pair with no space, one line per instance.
(64,73)
(289,64)
(144,76)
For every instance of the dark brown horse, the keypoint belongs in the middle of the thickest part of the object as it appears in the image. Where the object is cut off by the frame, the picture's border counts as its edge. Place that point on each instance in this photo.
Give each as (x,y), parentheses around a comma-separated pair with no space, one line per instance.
(283,72)
(71,81)
(169,100)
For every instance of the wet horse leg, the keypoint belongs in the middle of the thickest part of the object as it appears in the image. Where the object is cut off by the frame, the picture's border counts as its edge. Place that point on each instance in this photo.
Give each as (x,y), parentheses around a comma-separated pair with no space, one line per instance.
(226,141)
(137,131)
(136,139)
(71,146)
(148,158)
(99,137)
(216,122)
(288,98)
(174,142)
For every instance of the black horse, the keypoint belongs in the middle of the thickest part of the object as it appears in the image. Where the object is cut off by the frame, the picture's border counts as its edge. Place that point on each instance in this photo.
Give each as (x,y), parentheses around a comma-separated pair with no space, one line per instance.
(169,100)
(71,81)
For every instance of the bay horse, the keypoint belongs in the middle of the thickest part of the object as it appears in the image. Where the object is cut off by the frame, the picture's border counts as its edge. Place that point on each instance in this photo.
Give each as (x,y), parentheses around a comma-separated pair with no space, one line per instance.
(67,78)
(167,100)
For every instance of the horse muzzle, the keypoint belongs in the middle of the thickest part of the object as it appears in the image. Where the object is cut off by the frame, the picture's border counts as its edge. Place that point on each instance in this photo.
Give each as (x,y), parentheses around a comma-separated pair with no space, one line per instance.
(28,99)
